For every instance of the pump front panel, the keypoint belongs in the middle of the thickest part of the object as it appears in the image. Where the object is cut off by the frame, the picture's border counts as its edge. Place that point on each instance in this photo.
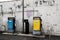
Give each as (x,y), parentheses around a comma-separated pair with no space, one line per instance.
(36,24)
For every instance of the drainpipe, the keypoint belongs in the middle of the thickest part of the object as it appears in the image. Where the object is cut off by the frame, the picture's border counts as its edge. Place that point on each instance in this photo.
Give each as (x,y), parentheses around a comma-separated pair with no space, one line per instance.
(23,15)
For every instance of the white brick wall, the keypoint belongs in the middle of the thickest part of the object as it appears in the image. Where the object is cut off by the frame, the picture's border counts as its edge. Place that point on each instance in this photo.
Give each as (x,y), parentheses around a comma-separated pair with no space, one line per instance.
(50,14)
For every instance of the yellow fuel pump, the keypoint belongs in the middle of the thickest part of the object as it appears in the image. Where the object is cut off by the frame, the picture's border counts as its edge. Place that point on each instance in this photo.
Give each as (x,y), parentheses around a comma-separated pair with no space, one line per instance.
(36,25)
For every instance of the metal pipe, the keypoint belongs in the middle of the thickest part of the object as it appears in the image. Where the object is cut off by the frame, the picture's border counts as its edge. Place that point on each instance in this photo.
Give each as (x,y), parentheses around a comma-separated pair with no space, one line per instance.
(23,14)
(1,10)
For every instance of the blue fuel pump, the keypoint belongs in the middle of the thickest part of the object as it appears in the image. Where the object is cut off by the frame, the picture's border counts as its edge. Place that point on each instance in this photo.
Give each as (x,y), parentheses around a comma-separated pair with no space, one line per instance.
(11,24)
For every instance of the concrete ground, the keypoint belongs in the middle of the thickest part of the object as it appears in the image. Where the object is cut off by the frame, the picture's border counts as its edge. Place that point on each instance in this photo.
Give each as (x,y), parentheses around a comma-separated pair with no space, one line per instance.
(14,37)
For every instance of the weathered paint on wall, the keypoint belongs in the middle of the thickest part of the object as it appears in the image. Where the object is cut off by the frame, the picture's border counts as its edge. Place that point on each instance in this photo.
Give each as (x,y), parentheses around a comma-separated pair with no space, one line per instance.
(50,14)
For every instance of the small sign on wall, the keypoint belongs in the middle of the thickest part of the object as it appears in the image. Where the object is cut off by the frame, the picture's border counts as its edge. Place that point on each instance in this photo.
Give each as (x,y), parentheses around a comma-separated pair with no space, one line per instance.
(29,13)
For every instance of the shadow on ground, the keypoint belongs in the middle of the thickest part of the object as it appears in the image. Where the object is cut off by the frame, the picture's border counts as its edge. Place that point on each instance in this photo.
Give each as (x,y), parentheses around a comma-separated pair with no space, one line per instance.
(14,37)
